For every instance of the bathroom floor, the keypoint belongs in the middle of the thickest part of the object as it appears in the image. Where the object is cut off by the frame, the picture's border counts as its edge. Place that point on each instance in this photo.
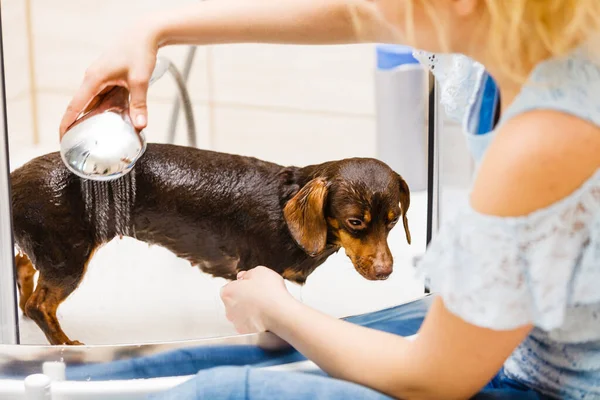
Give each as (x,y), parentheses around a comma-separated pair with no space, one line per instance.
(133,293)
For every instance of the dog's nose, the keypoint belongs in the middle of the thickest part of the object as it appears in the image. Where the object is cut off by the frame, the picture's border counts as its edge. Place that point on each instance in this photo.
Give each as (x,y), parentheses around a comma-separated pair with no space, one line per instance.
(381,276)
(382,272)
(383,264)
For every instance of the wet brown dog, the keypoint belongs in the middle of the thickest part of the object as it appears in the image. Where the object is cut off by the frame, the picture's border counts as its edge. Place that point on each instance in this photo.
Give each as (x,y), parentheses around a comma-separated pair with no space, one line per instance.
(224,213)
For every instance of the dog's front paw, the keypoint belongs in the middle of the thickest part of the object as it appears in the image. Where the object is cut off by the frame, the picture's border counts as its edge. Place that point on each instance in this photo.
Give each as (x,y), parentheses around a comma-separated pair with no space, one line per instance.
(74,343)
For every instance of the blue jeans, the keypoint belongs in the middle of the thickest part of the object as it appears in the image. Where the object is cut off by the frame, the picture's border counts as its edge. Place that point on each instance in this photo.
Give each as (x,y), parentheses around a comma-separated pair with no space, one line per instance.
(231,372)
(247,383)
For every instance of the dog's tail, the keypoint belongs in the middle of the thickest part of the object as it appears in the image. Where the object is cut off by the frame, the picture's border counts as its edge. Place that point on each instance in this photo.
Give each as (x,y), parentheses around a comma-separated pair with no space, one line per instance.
(108,206)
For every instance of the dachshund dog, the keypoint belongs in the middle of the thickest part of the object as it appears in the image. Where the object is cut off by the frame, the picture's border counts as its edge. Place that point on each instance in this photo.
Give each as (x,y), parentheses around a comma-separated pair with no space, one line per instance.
(223,213)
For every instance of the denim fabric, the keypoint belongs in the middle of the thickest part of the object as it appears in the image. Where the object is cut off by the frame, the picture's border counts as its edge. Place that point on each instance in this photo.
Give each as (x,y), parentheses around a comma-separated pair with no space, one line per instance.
(233,372)
(246,383)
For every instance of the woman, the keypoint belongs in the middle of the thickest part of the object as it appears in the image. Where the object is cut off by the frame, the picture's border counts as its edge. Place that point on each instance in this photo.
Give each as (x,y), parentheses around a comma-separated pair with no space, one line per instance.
(516,273)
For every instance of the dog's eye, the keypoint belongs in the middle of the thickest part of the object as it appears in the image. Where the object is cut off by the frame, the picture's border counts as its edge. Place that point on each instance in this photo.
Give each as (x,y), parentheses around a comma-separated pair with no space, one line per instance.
(393,222)
(355,223)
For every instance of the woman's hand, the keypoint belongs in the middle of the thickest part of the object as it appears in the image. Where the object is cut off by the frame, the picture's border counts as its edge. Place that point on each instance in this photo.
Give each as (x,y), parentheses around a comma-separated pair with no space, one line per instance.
(252,301)
(129,63)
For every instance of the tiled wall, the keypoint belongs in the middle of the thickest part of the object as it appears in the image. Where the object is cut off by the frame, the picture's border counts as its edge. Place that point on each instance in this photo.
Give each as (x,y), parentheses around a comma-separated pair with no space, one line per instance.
(291,104)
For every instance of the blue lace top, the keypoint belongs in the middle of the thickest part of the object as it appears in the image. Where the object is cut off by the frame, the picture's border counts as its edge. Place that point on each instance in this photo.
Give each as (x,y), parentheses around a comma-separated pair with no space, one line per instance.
(543,268)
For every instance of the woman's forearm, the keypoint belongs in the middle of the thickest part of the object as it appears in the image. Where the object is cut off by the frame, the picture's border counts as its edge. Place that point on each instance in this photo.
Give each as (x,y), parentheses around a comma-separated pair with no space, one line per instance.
(371,358)
(264,21)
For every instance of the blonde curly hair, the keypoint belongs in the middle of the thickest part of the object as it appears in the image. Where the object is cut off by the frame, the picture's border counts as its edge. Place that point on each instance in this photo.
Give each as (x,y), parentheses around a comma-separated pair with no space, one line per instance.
(522,33)
(518,33)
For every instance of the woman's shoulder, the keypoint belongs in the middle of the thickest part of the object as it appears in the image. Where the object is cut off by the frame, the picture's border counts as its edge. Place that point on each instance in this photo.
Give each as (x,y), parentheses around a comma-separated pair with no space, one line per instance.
(569,84)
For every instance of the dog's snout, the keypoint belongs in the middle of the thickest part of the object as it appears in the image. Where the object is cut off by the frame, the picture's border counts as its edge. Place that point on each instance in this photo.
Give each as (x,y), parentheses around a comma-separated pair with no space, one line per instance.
(383,271)
(383,264)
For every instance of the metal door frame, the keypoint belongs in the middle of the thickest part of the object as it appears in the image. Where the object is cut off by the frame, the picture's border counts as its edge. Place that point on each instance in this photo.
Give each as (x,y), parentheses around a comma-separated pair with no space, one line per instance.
(9,324)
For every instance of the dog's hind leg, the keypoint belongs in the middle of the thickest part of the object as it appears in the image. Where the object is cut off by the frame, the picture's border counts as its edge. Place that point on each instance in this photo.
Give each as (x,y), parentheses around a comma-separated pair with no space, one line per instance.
(25,274)
(49,293)
(42,306)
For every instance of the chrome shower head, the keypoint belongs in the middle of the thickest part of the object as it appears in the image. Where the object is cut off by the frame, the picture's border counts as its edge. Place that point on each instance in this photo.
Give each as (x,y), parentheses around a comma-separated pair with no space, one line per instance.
(103,144)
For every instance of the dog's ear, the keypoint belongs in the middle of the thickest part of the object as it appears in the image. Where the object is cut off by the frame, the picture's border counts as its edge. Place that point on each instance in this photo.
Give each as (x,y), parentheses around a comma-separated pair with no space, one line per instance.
(404,204)
(305,216)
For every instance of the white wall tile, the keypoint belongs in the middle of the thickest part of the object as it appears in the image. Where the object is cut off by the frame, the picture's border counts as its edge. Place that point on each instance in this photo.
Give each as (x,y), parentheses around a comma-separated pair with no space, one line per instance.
(19,122)
(69,35)
(292,137)
(14,35)
(197,86)
(324,78)
(159,118)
